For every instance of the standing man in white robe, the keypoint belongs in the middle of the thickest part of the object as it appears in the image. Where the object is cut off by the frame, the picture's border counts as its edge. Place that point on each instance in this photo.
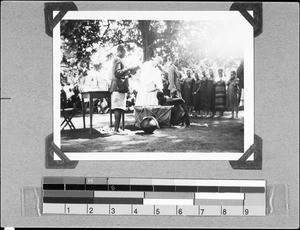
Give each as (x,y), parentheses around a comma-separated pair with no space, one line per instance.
(150,82)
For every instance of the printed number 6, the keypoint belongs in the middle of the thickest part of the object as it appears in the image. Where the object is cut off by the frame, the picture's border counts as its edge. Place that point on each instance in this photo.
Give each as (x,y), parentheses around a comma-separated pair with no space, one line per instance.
(180,211)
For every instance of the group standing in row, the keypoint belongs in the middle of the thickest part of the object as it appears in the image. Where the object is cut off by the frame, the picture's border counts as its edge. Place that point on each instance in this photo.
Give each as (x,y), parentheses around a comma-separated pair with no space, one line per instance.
(206,96)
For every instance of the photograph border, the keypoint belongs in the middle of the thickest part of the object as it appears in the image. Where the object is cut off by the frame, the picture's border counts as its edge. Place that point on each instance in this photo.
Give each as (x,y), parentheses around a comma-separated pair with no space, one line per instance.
(233,16)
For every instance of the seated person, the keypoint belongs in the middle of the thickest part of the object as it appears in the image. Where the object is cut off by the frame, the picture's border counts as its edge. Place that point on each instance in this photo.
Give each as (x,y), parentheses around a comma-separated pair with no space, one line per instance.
(179,113)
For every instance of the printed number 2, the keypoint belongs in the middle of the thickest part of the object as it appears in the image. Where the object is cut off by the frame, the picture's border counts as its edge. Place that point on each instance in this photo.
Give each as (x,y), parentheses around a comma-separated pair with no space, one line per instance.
(91,210)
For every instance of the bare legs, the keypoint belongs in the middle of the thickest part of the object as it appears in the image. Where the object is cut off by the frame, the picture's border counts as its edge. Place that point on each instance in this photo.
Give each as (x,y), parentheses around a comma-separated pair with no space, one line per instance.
(236,111)
(118,113)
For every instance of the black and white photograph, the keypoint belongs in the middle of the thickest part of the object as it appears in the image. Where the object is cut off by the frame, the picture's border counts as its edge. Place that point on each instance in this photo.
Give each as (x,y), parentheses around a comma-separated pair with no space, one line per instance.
(153,85)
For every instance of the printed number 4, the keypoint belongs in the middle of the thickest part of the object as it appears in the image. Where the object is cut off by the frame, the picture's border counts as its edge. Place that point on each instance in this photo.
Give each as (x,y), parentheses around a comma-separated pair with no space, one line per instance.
(135,211)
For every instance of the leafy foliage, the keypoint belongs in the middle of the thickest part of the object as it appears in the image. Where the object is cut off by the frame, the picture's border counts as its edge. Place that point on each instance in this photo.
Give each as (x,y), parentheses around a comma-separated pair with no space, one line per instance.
(194,43)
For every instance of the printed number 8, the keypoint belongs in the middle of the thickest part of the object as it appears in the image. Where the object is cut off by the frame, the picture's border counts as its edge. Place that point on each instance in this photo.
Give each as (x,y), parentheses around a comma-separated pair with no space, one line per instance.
(246,211)
(224,212)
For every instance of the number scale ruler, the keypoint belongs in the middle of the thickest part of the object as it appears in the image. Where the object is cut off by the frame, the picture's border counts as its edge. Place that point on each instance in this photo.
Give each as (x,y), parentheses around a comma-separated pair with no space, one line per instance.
(140,196)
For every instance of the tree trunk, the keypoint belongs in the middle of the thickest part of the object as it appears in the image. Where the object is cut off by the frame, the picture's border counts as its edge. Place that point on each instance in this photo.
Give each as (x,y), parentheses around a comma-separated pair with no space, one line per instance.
(144,28)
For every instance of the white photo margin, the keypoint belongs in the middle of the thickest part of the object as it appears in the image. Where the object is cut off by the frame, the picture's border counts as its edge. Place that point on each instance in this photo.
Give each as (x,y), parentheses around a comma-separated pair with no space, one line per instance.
(233,16)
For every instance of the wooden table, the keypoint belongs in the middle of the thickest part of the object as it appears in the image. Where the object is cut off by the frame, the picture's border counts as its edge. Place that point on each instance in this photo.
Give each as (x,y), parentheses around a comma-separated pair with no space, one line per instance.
(91,95)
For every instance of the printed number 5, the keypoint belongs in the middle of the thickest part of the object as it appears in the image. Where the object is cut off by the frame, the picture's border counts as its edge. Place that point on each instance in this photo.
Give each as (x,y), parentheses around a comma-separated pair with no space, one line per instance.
(157,211)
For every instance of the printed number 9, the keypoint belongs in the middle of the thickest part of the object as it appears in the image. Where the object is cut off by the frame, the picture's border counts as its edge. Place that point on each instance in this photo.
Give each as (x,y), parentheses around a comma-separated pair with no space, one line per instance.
(246,211)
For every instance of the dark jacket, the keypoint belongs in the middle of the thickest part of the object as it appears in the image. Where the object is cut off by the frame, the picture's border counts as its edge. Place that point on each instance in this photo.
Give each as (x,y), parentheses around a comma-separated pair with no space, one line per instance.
(119,71)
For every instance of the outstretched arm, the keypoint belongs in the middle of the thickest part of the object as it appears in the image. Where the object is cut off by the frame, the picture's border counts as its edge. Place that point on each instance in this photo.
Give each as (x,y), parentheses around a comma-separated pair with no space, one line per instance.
(171,78)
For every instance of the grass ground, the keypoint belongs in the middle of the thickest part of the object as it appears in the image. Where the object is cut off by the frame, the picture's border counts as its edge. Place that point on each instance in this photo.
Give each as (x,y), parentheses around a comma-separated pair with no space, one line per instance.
(203,135)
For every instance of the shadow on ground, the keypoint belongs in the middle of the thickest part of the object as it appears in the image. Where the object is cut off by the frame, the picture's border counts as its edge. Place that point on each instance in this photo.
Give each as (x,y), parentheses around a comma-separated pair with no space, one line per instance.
(203,135)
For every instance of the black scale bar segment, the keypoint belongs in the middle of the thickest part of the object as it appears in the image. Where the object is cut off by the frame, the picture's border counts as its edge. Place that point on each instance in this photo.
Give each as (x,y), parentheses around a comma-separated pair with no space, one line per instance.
(96,187)
(163,188)
(207,189)
(146,188)
(252,189)
(230,189)
(186,188)
(120,187)
(72,200)
(75,186)
(53,186)
(110,200)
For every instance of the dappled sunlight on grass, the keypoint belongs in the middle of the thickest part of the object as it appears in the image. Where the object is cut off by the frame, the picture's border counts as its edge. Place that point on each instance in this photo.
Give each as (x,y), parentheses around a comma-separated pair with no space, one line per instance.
(221,135)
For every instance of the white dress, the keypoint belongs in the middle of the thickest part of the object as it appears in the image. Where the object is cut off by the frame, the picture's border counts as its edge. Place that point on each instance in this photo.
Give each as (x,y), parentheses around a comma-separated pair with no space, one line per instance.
(149,78)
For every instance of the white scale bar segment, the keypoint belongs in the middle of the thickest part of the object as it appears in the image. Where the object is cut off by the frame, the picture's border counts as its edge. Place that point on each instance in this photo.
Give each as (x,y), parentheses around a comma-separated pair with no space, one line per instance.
(233,183)
(219,196)
(119,194)
(168,201)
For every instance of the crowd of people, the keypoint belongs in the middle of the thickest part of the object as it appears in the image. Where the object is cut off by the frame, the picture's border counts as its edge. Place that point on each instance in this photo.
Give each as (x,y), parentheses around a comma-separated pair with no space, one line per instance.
(203,94)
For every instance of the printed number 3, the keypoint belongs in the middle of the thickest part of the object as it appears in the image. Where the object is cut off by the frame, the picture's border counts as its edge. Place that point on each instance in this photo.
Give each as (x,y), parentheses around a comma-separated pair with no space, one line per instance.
(113,211)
